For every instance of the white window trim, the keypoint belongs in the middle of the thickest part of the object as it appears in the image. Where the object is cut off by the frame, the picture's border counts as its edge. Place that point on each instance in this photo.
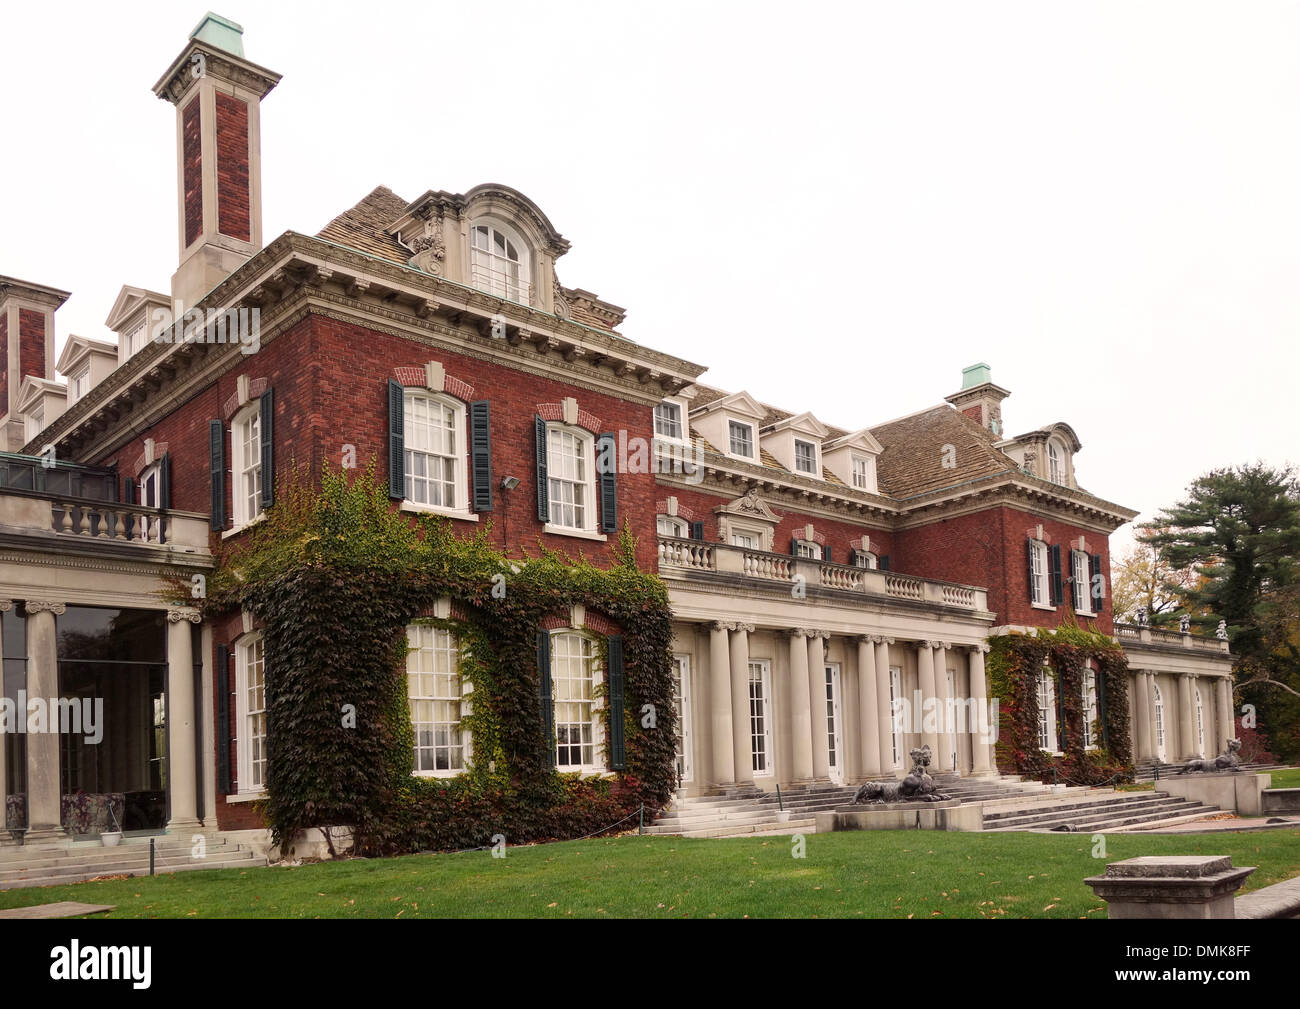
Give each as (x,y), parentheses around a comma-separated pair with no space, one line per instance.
(872,487)
(816,471)
(243,767)
(685,714)
(683,527)
(895,717)
(597,708)
(759,533)
(813,546)
(239,505)
(684,418)
(1090,712)
(525,263)
(466,695)
(859,555)
(769,730)
(591,508)
(1082,585)
(1046,694)
(460,477)
(1054,447)
(1043,584)
(753,440)
(73,380)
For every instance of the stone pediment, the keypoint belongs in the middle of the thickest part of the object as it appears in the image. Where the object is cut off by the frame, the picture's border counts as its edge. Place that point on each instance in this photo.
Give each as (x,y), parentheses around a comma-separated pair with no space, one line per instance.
(749,506)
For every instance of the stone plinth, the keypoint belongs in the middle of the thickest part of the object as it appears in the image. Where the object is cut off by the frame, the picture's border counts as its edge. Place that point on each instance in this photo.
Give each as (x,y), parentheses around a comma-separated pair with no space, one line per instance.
(948,814)
(1238,791)
(1170,886)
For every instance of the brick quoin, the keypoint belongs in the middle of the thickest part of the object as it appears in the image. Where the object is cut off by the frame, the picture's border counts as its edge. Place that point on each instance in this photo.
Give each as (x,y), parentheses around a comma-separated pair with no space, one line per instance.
(232,168)
(31,342)
(191,170)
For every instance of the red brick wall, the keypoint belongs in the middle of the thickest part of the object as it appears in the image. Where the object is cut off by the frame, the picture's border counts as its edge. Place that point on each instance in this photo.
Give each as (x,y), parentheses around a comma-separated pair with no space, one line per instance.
(232,168)
(988,548)
(31,343)
(191,170)
(4,362)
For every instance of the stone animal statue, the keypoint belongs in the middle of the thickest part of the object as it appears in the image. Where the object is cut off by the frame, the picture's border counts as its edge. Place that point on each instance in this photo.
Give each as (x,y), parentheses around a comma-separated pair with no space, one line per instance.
(1225,761)
(918,786)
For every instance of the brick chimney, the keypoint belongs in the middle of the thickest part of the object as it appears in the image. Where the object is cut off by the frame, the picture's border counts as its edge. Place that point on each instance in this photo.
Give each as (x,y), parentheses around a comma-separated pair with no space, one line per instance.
(26,347)
(218,95)
(979,399)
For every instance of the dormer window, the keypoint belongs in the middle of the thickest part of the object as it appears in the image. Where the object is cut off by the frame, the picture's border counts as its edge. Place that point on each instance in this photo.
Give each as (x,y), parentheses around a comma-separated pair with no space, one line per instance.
(499,263)
(864,473)
(35,420)
(741,439)
(805,457)
(1055,463)
(668,420)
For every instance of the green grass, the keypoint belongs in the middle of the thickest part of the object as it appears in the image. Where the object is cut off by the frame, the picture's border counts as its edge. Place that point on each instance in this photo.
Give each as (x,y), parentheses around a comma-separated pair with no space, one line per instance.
(844,875)
(1288,777)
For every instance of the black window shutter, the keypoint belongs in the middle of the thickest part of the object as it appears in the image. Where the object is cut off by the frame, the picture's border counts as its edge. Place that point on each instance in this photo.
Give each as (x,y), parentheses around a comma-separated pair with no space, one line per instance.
(1094,571)
(1101,709)
(608,484)
(826,554)
(697,530)
(544,692)
(884,563)
(617,743)
(165,481)
(128,490)
(217,470)
(480,454)
(1057,594)
(543,492)
(1060,714)
(794,546)
(396,441)
(222,679)
(1029,556)
(267,421)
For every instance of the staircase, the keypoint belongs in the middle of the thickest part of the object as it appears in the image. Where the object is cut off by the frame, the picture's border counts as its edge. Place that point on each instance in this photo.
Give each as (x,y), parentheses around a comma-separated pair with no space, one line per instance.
(1096,811)
(74,862)
(1146,769)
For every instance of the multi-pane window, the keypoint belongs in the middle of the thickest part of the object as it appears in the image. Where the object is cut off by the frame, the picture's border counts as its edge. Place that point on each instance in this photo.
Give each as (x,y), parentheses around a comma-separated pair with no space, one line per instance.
(569,472)
(864,559)
(806,548)
(246,442)
(250,672)
(805,456)
(760,717)
(434,691)
(741,437)
(1200,724)
(497,264)
(864,473)
(749,541)
(35,421)
(1089,706)
(668,420)
(431,434)
(1046,710)
(896,713)
(1055,469)
(669,525)
(1159,710)
(1038,577)
(682,707)
(1082,581)
(78,386)
(573,685)
(832,727)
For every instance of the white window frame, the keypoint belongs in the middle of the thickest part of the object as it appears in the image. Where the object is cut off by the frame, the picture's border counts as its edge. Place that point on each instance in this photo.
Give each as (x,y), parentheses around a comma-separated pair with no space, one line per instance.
(457,457)
(593,703)
(1048,738)
(865,478)
(34,420)
(760,718)
(672,525)
(485,270)
(897,713)
(241,471)
(151,473)
(683,423)
(429,639)
(682,702)
(808,549)
(1055,462)
(734,531)
(246,647)
(753,440)
(1200,724)
(1089,706)
(1081,565)
(836,751)
(78,385)
(1158,718)
(816,458)
(1042,585)
(866,560)
(591,503)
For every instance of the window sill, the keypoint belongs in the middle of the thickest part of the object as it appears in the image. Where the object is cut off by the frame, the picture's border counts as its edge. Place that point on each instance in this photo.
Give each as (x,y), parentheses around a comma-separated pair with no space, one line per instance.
(582,534)
(451,513)
(1043,606)
(440,775)
(261,517)
(246,797)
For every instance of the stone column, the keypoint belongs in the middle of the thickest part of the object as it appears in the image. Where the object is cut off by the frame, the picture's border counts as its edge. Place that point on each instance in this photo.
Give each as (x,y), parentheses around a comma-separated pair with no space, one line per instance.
(44,818)
(182,745)
(1186,730)
(868,712)
(724,756)
(5,606)
(925,668)
(884,713)
(1226,717)
(981,748)
(942,708)
(821,749)
(742,745)
(1143,716)
(801,707)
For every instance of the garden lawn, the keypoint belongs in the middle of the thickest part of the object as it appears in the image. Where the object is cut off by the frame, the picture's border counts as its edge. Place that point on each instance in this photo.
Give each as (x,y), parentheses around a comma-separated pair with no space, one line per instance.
(1288,777)
(872,874)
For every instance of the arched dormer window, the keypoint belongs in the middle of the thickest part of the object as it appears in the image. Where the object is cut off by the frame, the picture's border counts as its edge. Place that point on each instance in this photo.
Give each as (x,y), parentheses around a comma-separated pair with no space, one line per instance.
(1055,463)
(499,262)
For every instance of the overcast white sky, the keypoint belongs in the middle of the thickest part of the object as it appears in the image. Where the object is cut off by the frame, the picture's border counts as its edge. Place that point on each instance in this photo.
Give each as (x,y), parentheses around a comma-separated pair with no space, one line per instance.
(834,206)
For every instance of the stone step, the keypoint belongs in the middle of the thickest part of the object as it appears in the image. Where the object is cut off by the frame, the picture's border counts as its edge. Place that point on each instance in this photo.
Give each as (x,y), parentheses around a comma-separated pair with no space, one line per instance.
(1050,804)
(730,830)
(1108,815)
(113,856)
(80,877)
(1122,824)
(1022,818)
(94,853)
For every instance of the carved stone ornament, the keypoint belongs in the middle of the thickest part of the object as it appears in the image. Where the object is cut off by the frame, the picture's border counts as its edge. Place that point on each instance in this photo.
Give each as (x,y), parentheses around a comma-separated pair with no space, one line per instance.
(1225,761)
(39,606)
(561,304)
(429,248)
(184,613)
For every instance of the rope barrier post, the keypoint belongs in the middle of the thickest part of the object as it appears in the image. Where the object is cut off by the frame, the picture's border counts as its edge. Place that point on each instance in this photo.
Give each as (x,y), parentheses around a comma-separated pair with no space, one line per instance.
(640,829)
(779,805)
(151,840)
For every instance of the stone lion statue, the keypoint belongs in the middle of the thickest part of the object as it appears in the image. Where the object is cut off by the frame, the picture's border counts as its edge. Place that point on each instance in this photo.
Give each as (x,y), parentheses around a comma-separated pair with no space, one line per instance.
(918,786)
(1225,761)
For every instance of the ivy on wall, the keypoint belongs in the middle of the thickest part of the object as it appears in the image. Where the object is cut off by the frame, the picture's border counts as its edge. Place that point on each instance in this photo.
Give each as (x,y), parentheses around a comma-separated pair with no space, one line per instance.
(1013,665)
(335,575)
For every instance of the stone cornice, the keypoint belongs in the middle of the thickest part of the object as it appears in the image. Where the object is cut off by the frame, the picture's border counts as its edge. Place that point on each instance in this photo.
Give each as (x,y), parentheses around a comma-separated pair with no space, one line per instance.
(180,77)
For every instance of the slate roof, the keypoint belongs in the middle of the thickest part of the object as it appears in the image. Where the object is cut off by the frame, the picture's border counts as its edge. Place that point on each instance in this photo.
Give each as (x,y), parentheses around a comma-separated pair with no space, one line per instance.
(362,227)
(913,459)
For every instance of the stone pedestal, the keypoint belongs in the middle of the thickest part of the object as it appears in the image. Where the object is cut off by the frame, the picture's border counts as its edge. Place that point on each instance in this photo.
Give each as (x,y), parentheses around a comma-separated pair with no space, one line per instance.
(1170,886)
(1231,791)
(948,814)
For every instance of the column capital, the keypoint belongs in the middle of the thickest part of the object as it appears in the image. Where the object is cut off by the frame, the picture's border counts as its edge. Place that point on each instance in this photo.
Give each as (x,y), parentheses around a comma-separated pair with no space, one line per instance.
(882,639)
(943,644)
(818,634)
(41,606)
(739,626)
(796,632)
(929,644)
(6,605)
(719,625)
(982,648)
(175,616)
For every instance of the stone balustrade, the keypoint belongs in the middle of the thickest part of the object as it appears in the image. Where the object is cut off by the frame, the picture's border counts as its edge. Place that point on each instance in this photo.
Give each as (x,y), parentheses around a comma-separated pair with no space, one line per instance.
(92,522)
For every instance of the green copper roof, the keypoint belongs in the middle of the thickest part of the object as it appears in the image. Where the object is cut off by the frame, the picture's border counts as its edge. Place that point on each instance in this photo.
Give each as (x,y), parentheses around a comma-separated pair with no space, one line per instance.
(220,32)
(976,374)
